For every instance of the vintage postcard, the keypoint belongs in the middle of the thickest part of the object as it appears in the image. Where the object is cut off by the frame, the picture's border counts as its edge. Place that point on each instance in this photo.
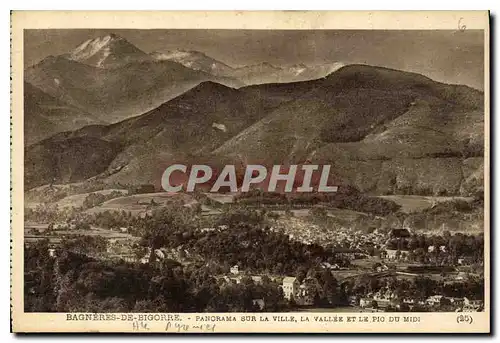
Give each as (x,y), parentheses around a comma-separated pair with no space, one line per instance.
(264,172)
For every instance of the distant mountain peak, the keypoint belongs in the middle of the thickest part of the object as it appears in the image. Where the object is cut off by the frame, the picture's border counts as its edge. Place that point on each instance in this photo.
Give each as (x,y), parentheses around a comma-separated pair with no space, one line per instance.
(358,74)
(196,60)
(107,50)
(92,46)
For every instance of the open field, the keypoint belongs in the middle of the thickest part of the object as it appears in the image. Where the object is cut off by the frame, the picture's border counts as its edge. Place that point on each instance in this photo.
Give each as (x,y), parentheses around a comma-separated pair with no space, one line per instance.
(226,198)
(76,194)
(140,203)
(61,186)
(78,199)
(57,235)
(417,203)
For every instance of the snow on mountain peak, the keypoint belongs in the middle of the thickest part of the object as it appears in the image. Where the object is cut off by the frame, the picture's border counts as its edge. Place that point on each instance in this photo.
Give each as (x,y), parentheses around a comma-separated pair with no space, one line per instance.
(194,59)
(180,56)
(298,69)
(97,50)
(220,127)
(90,47)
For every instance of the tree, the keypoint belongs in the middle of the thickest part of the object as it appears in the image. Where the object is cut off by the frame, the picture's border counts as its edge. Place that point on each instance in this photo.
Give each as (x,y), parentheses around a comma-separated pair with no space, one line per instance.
(444,302)
(330,287)
(301,274)
(164,224)
(404,307)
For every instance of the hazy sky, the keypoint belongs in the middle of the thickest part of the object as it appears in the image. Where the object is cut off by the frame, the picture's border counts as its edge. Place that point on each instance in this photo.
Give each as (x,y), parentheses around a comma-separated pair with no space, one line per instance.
(446,56)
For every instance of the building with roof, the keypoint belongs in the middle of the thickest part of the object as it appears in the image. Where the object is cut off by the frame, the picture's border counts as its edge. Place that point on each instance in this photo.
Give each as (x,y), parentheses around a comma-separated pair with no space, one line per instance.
(290,287)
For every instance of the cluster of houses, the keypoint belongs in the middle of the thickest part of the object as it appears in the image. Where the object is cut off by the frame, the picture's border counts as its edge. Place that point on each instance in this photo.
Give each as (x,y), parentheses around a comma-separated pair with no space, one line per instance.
(394,255)
(380,300)
(404,255)
(292,288)
(385,298)
(300,231)
(353,243)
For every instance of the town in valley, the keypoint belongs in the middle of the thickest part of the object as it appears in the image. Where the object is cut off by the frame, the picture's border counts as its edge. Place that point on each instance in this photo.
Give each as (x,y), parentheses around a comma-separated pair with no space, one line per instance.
(238,257)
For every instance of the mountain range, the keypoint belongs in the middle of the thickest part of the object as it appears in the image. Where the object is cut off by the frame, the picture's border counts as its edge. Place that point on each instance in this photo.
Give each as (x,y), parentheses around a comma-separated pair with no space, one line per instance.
(110,79)
(253,74)
(114,94)
(383,131)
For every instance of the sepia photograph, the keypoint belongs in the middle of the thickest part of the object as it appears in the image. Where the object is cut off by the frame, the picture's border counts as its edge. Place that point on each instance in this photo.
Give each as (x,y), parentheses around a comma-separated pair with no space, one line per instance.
(226,174)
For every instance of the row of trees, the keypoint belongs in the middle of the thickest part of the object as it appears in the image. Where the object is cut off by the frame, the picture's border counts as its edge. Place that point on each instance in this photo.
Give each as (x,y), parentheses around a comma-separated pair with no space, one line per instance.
(96,199)
(347,197)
